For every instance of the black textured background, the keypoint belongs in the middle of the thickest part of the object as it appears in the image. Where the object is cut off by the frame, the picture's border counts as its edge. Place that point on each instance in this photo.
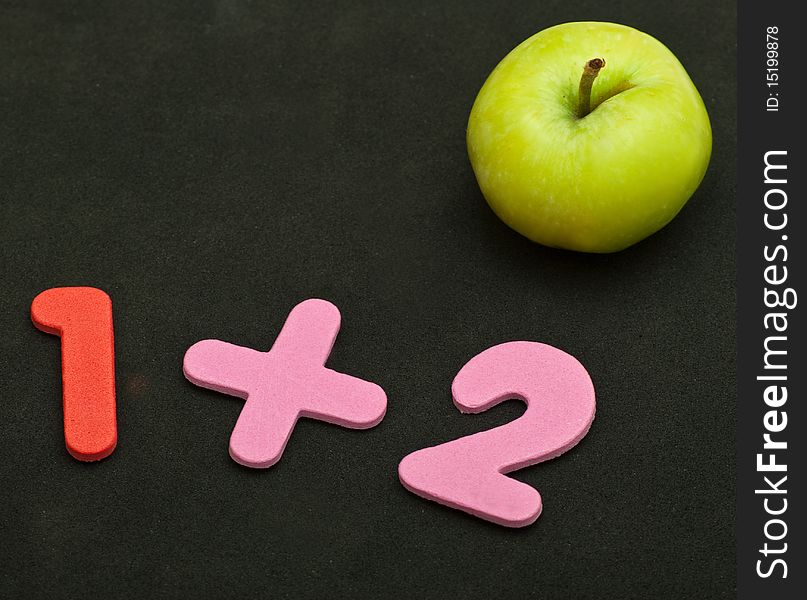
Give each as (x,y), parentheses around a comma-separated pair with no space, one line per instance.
(209,165)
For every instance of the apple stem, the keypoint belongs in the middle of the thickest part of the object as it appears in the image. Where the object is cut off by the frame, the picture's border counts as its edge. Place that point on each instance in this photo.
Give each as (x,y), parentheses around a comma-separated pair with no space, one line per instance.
(590,71)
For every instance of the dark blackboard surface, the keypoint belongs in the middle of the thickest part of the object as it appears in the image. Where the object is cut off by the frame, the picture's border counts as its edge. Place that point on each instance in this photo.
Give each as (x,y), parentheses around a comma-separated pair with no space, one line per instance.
(209,165)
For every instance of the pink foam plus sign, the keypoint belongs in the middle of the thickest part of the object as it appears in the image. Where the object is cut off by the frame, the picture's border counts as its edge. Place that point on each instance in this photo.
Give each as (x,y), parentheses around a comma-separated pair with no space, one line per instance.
(286,383)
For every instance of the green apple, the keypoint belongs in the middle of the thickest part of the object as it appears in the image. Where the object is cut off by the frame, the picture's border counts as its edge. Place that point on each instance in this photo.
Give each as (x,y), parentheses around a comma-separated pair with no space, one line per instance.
(589,136)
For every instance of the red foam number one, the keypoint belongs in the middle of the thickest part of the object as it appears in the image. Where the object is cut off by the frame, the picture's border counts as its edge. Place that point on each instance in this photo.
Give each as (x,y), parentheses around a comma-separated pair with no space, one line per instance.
(82,317)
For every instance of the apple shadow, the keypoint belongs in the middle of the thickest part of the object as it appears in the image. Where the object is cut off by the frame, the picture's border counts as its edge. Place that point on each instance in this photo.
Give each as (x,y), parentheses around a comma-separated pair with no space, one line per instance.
(643,257)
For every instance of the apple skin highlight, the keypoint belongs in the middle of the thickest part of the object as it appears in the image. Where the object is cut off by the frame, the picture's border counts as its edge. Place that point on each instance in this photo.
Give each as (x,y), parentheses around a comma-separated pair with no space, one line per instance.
(604,181)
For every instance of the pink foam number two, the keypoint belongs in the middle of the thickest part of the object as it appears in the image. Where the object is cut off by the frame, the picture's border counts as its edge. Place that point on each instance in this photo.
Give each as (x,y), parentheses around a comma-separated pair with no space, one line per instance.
(286,383)
(469,473)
